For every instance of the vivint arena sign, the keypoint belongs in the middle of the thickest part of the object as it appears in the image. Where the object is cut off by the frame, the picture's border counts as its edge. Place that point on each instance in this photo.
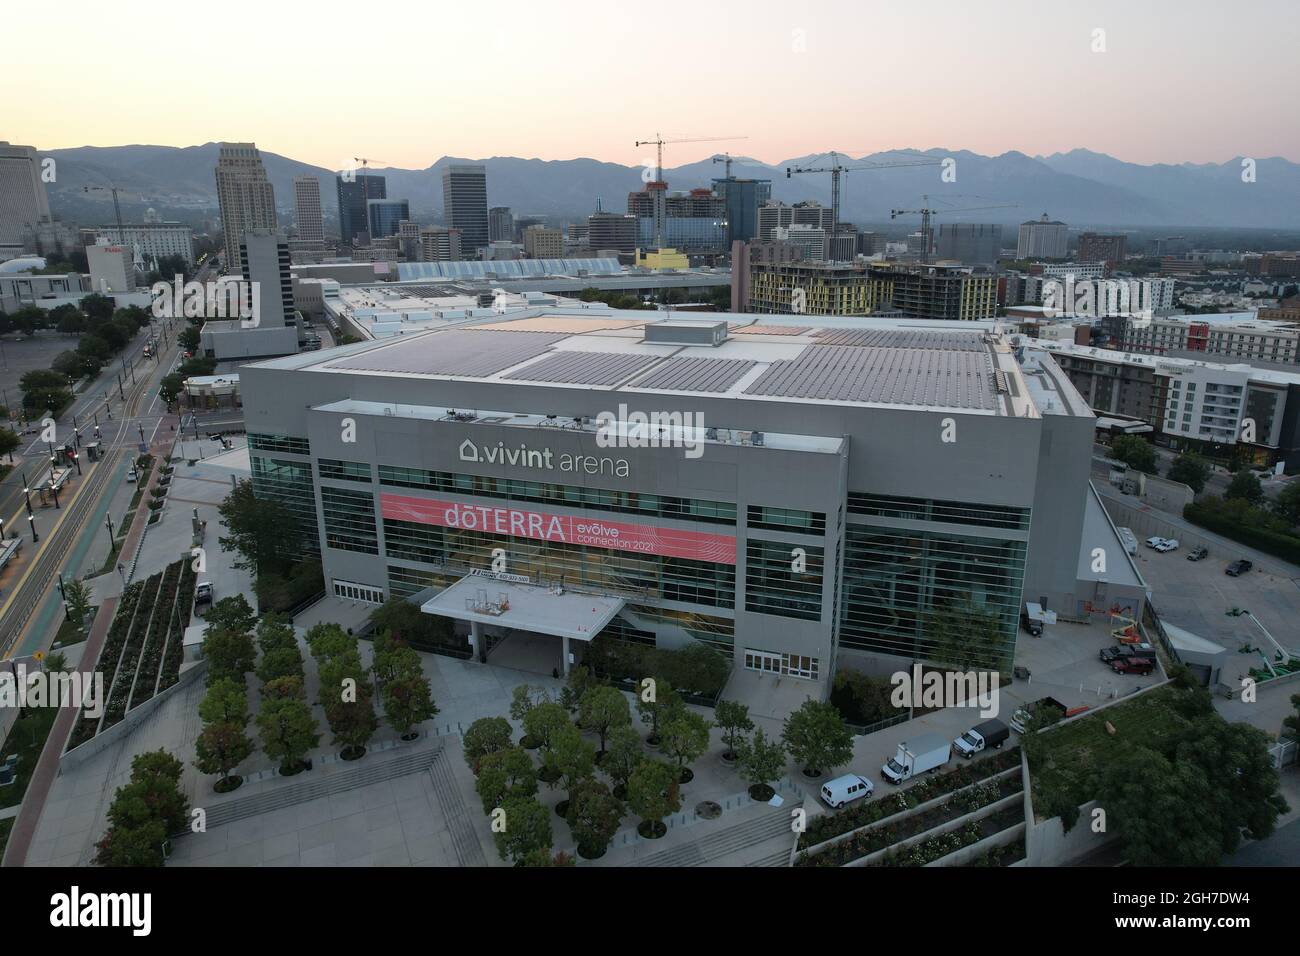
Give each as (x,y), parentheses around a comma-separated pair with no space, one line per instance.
(566,529)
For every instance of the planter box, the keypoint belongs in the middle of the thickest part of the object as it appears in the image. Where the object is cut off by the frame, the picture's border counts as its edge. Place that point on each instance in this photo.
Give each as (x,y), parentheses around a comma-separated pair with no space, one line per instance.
(942,828)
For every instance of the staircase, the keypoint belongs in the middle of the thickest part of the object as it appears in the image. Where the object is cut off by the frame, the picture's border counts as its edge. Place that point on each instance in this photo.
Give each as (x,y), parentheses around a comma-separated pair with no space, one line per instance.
(469,852)
(731,839)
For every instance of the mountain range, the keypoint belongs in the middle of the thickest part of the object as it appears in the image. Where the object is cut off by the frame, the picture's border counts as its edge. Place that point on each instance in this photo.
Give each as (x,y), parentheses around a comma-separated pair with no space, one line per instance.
(1080,187)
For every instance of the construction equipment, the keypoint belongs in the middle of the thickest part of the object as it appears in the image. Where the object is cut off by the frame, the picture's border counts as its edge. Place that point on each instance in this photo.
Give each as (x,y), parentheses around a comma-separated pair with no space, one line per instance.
(1284,655)
(117,208)
(365,179)
(926,212)
(658,183)
(835,169)
(724,158)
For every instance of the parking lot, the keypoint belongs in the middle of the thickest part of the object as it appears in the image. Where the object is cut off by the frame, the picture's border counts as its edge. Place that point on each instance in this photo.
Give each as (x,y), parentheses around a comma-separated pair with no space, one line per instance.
(1197,594)
(1064,663)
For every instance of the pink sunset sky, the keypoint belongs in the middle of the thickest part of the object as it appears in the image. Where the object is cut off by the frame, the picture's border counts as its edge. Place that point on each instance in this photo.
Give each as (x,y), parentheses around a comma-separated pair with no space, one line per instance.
(405,83)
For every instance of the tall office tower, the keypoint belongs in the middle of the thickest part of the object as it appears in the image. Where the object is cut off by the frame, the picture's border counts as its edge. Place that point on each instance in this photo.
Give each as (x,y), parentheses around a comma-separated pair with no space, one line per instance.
(612,230)
(543,243)
(810,239)
(501,224)
(812,213)
(464,204)
(742,198)
(1099,247)
(384,215)
(971,243)
(354,192)
(23,202)
(245,195)
(111,268)
(264,258)
(773,215)
(306,200)
(440,245)
(1043,239)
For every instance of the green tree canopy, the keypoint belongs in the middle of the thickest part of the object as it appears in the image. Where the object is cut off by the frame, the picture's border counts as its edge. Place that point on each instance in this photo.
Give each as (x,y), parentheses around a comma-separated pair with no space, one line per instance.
(594,815)
(486,735)
(816,737)
(505,773)
(1135,452)
(1245,485)
(288,731)
(526,830)
(761,761)
(602,708)
(262,531)
(653,791)
(1192,470)
(685,737)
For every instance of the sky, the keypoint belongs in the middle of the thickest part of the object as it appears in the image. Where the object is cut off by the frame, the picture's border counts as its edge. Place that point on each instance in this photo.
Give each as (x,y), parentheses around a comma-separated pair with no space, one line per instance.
(404,83)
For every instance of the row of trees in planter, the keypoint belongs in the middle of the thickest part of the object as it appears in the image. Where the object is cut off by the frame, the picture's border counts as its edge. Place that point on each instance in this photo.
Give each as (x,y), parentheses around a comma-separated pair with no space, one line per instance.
(286,724)
(144,813)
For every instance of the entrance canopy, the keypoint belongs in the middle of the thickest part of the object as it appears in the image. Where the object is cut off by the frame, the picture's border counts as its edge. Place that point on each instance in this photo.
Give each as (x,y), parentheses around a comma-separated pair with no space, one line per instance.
(494,600)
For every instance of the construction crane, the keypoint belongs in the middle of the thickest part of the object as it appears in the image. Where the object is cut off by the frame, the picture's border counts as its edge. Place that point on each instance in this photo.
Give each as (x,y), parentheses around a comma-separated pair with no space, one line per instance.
(724,158)
(659,142)
(365,180)
(117,207)
(835,169)
(926,212)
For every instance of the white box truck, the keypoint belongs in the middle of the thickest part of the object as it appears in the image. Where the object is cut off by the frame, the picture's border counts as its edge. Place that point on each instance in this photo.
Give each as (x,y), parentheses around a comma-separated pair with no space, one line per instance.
(916,756)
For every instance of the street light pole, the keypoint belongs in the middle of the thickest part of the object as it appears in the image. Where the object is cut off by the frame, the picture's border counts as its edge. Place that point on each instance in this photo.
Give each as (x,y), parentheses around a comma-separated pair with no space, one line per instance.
(112,538)
(31,521)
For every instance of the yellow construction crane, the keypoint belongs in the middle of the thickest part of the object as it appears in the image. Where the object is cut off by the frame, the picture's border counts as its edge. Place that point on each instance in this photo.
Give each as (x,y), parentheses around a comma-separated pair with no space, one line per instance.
(835,169)
(926,212)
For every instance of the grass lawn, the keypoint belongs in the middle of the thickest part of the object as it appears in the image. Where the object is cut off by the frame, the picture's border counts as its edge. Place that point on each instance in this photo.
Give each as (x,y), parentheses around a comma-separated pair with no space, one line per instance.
(1074,756)
(26,739)
(69,633)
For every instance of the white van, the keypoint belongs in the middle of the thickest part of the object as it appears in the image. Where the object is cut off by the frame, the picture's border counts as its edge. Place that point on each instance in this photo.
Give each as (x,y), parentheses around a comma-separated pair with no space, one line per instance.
(846,789)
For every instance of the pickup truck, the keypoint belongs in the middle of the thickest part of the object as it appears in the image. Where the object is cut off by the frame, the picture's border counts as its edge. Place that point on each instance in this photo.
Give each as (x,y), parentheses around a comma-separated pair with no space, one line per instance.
(1144,651)
(1132,665)
(991,733)
(916,756)
(1238,567)
(1197,554)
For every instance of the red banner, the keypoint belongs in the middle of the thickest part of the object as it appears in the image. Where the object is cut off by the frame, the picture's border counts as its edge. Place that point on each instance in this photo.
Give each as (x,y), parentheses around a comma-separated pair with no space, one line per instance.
(592,532)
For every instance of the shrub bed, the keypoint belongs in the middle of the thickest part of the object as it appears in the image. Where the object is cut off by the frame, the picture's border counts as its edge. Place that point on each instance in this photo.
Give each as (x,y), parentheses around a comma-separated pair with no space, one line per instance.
(170,672)
(146,679)
(126,668)
(869,841)
(1004,855)
(940,845)
(824,827)
(697,671)
(110,655)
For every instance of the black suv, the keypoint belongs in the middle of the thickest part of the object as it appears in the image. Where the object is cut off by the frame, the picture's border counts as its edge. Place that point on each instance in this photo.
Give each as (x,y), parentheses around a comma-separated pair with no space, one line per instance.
(1238,567)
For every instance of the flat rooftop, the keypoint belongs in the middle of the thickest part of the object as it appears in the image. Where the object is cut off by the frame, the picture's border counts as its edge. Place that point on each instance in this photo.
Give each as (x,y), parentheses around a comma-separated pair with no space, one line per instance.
(484,599)
(968,368)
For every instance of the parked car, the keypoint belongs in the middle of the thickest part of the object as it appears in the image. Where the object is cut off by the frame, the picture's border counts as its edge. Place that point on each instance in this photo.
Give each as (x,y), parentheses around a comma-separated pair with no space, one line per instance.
(1197,554)
(1132,665)
(1169,544)
(1020,719)
(1240,566)
(203,592)
(1155,541)
(835,793)
(1145,651)
(915,757)
(991,733)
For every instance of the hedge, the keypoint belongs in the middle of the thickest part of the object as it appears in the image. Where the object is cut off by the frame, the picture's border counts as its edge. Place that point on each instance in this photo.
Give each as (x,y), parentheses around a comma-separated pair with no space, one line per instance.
(1284,546)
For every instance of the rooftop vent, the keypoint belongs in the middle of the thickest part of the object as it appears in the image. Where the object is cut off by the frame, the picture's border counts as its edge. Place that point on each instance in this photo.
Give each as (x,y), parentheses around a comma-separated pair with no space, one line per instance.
(686,333)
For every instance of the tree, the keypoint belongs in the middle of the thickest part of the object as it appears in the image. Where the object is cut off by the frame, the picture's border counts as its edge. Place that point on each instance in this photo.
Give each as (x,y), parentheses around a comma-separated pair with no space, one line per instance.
(543,720)
(1246,486)
(967,636)
(263,531)
(219,749)
(602,708)
(662,702)
(623,757)
(568,760)
(274,631)
(284,688)
(189,338)
(685,738)
(1135,452)
(231,614)
(226,702)
(353,722)
(761,761)
(143,812)
(44,389)
(99,308)
(505,773)
(486,735)
(1192,470)
(653,793)
(594,815)
(228,653)
(521,702)
(288,731)
(133,847)
(77,593)
(575,685)
(170,387)
(408,700)
(526,829)
(9,442)
(280,662)
(816,737)
(1286,505)
(732,718)
(1290,723)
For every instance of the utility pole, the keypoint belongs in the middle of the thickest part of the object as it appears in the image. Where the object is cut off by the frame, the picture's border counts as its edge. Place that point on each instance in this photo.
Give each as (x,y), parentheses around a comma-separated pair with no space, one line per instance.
(112,538)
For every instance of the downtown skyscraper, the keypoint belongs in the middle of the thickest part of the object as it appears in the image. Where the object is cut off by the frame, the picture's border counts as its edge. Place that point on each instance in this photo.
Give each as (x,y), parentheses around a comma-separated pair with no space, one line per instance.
(245,195)
(464,203)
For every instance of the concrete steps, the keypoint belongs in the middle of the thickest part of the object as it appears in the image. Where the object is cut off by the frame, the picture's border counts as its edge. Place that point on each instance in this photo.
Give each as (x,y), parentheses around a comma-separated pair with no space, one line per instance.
(294,794)
(469,852)
(729,840)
